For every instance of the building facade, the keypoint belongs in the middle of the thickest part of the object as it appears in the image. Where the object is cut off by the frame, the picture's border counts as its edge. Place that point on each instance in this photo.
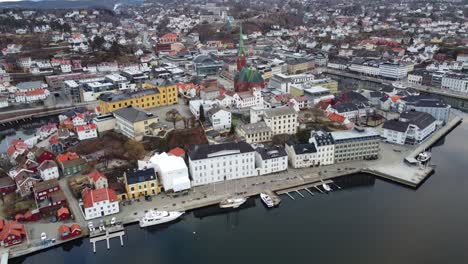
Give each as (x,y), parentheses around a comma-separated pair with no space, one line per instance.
(271,160)
(216,163)
(357,144)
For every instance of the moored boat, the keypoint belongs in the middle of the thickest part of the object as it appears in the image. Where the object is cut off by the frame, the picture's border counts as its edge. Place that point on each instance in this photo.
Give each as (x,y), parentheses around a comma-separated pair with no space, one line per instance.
(267,200)
(159,217)
(326,187)
(232,202)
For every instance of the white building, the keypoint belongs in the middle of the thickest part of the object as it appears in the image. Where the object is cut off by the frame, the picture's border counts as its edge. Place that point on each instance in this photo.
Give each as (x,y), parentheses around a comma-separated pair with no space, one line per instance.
(271,160)
(220,119)
(215,163)
(172,171)
(283,82)
(301,155)
(455,82)
(48,170)
(99,203)
(248,99)
(393,71)
(194,106)
(325,146)
(411,128)
(86,131)
(281,120)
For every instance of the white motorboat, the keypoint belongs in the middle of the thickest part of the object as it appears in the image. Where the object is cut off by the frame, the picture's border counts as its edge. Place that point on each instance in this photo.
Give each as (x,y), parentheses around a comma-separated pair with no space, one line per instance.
(326,187)
(424,156)
(232,202)
(267,200)
(159,217)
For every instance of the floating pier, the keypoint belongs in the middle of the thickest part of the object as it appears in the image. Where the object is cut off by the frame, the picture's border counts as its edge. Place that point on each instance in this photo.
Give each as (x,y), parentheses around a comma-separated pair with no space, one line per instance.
(111,232)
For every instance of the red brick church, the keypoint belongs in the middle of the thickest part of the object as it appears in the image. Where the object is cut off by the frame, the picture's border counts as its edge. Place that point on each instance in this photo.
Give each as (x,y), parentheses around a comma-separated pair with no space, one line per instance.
(247,78)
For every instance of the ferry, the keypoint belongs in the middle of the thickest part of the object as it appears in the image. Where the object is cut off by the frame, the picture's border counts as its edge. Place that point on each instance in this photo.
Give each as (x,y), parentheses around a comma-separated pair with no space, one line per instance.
(326,187)
(267,200)
(232,202)
(159,217)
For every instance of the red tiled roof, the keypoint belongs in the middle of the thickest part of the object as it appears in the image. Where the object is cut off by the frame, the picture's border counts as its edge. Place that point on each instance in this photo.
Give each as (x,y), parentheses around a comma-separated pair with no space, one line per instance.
(62,211)
(35,92)
(67,156)
(63,229)
(96,175)
(169,36)
(93,196)
(86,127)
(336,117)
(177,152)
(12,228)
(16,144)
(74,227)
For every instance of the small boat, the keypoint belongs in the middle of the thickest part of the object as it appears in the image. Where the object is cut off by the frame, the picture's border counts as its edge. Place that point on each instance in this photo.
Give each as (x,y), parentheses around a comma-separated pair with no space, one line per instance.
(159,217)
(232,202)
(424,156)
(267,200)
(326,187)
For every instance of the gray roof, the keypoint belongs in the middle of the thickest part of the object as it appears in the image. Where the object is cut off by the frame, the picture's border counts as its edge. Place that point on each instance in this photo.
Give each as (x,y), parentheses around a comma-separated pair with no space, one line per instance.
(272,152)
(197,152)
(279,111)
(260,127)
(302,148)
(420,119)
(133,114)
(115,97)
(396,125)
(137,176)
(29,85)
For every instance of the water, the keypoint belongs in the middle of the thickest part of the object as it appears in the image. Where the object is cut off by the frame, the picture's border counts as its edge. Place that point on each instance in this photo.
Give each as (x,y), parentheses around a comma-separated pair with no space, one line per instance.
(379,222)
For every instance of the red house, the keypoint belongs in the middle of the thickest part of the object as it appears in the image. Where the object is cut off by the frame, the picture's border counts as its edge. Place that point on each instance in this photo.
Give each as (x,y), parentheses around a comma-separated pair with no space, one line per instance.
(63,214)
(43,155)
(67,232)
(12,233)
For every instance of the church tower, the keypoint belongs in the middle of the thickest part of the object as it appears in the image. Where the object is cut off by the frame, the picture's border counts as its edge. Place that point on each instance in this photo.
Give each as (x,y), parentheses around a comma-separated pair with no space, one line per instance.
(241,52)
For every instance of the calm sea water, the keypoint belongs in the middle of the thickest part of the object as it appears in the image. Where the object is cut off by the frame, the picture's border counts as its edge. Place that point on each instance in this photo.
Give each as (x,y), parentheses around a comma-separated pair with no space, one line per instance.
(380,222)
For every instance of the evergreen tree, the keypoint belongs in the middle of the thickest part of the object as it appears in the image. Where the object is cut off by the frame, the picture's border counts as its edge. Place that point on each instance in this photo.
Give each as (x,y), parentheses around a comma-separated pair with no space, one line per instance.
(202,114)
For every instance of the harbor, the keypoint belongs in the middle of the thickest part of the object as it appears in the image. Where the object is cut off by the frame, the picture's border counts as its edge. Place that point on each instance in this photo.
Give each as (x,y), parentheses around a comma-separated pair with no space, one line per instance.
(290,181)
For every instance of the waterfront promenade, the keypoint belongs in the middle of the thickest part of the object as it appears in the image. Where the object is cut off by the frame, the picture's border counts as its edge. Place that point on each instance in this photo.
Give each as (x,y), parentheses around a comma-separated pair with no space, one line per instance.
(391,166)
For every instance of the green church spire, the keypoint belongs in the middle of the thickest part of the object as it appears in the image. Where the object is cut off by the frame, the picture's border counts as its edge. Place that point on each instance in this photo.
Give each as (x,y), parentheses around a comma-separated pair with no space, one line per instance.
(241,49)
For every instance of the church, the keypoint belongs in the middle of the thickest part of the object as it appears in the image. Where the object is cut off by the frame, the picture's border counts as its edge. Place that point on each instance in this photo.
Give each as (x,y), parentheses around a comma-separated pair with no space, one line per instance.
(247,78)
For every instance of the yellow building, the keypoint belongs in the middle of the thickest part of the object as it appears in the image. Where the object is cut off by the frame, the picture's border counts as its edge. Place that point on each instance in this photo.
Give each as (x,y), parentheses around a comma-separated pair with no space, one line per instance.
(148,98)
(167,89)
(140,183)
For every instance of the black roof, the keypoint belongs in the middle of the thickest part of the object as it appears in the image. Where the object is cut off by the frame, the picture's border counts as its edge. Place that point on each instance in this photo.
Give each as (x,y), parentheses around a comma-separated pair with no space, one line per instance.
(271,152)
(420,119)
(302,148)
(197,152)
(396,125)
(136,176)
(345,107)
(375,94)
(323,139)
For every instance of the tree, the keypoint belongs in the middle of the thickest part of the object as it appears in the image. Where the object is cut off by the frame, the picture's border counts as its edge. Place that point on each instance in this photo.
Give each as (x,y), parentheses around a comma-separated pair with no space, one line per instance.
(134,149)
(202,113)
(173,116)
(303,136)
(97,43)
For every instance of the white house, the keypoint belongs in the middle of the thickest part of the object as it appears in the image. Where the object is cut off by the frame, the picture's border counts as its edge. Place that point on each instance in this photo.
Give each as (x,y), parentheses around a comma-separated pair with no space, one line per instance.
(281,120)
(271,160)
(99,203)
(411,128)
(215,163)
(220,118)
(302,155)
(172,171)
(248,99)
(325,146)
(79,120)
(48,170)
(86,131)
(194,106)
